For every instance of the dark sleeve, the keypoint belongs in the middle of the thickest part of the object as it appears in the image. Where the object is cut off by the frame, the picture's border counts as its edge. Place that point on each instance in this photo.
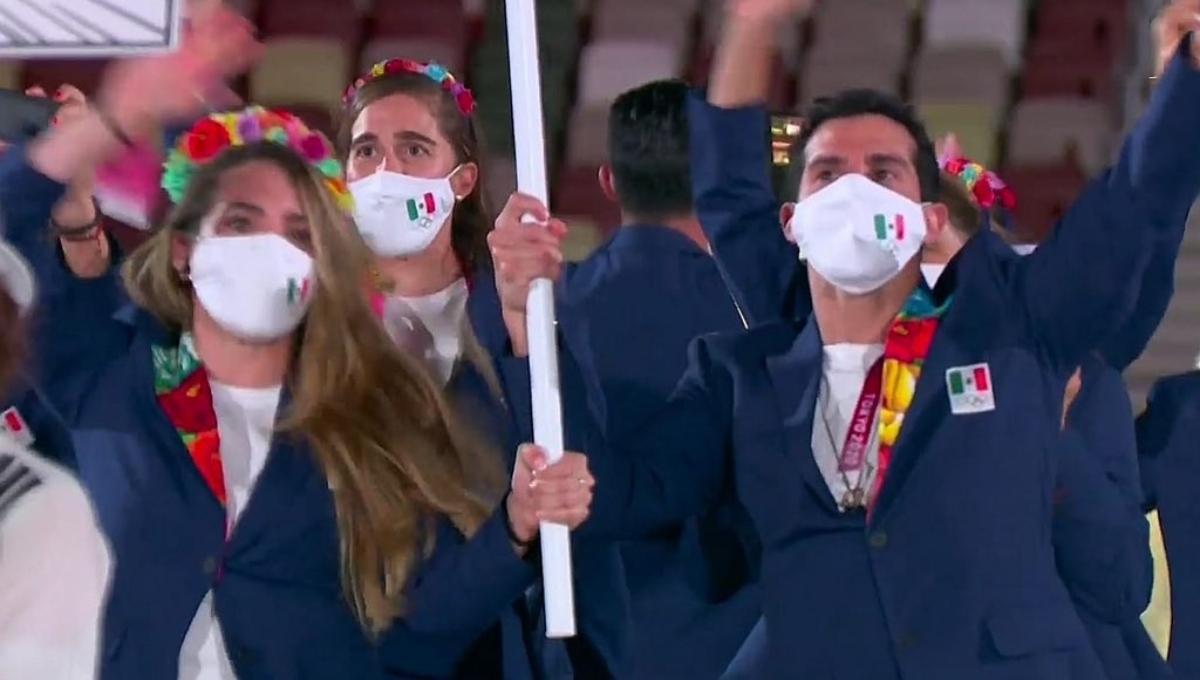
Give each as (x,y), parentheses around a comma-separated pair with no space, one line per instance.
(71,323)
(720,550)
(1073,289)
(1100,535)
(1166,409)
(736,206)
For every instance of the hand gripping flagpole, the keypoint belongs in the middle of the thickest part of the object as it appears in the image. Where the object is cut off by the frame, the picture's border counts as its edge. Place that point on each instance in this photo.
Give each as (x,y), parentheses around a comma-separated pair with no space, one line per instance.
(529,138)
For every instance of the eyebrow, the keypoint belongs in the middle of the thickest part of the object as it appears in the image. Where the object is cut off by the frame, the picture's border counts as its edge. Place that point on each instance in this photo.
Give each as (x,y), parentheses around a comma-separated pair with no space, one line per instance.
(406,135)
(257,210)
(830,161)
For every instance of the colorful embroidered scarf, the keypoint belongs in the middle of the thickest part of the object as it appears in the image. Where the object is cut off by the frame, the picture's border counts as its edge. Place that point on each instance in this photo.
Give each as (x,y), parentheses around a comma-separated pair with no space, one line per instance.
(185,395)
(904,354)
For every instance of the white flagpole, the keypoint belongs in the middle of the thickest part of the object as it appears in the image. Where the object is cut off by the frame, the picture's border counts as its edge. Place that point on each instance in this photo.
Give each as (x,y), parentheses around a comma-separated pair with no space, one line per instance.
(529,137)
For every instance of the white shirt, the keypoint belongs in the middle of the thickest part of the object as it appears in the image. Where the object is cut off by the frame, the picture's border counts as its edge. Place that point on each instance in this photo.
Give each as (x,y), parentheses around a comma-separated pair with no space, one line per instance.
(844,371)
(429,327)
(245,421)
(55,568)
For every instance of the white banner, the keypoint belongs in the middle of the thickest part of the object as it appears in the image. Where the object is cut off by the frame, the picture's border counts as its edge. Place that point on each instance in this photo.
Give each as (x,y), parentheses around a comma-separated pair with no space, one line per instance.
(40,29)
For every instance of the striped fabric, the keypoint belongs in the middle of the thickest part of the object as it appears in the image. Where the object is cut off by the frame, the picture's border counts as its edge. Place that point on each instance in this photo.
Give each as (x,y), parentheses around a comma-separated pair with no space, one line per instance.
(16,480)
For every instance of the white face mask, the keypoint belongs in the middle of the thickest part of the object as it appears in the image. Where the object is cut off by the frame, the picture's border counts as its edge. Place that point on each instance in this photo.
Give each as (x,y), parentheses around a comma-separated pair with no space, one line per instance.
(932,272)
(1024,248)
(257,288)
(399,215)
(857,234)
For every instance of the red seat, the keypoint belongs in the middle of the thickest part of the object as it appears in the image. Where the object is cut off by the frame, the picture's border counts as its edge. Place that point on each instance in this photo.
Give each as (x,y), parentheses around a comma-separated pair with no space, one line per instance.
(577,193)
(84,74)
(441,19)
(1044,193)
(1078,76)
(312,19)
(782,94)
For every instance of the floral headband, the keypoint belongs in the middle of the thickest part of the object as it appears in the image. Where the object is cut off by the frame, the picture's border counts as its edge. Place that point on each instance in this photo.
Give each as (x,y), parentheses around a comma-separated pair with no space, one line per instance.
(988,189)
(435,72)
(220,131)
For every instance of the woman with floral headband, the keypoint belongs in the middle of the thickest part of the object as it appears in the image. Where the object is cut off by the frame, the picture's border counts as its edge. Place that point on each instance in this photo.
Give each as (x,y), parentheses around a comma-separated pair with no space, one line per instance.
(285,494)
(412,149)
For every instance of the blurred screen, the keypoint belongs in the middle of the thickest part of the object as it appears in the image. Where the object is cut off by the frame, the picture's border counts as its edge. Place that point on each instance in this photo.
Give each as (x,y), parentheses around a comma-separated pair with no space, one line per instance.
(784,130)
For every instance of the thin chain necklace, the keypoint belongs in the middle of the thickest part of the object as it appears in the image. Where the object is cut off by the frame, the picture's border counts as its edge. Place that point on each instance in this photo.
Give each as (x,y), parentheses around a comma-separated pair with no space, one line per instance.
(855,495)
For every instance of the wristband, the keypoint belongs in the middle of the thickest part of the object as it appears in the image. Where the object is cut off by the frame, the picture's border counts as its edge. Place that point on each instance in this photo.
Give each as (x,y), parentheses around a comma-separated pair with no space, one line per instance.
(82,232)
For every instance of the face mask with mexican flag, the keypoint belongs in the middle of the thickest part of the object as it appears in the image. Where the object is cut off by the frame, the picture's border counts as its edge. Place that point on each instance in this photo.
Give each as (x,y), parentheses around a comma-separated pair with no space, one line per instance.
(400,215)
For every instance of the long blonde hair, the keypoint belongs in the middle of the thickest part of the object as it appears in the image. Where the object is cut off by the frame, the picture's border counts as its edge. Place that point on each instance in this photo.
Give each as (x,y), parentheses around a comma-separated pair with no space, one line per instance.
(394,452)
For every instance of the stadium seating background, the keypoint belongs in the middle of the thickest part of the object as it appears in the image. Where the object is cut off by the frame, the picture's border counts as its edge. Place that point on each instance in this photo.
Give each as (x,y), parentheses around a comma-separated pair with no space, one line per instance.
(1040,89)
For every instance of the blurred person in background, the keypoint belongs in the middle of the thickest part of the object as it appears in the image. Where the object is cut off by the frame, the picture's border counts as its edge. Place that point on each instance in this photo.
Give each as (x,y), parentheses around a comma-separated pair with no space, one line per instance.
(54,560)
(641,298)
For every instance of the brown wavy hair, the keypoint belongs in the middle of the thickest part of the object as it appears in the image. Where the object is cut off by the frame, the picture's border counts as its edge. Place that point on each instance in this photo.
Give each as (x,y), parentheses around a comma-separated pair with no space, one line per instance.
(395,455)
(472,219)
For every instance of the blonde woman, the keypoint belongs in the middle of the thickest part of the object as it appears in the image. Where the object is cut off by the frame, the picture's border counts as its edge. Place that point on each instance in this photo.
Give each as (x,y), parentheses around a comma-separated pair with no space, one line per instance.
(286,495)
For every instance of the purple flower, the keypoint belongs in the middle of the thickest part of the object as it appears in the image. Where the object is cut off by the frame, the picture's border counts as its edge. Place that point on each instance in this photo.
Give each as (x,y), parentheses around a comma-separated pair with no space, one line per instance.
(249,129)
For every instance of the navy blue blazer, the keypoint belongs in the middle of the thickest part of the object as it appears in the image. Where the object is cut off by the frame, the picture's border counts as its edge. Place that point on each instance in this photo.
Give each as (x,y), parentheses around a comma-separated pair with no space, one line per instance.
(640,300)
(955,574)
(1170,469)
(276,582)
(1096,458)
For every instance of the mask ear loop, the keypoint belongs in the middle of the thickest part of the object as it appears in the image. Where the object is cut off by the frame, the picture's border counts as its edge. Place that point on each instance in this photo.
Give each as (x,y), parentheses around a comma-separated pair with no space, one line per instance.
(207,229)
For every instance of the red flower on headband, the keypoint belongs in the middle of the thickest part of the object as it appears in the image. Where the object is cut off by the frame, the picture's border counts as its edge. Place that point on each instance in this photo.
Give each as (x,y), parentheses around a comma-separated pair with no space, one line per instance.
(207,139)
(314,148)
(465,101)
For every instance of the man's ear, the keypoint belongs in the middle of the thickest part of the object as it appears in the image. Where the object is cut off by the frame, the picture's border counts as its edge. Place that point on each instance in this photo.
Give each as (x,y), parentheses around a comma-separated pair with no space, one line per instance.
(937,221)
(785,219)
(605,177)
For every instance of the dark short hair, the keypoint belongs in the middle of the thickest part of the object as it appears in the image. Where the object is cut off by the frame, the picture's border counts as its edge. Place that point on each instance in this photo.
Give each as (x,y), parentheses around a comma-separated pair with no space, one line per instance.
(864,102)
(648,150)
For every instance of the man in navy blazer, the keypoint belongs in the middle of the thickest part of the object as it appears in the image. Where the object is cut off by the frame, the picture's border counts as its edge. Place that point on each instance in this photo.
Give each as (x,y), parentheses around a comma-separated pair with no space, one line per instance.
(952,574)
(1166,440)
(642,297)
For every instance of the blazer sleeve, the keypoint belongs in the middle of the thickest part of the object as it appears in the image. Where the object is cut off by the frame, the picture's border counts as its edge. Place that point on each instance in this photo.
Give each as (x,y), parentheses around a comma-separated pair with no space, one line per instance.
(1100,534)
(463,587)
(71,322)
(737,207)
(1073,289)
(1167,406)
(720,551)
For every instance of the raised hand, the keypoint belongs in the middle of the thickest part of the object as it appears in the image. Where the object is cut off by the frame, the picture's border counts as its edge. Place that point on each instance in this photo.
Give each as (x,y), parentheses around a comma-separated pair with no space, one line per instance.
(72,106)
(143,94)
(1172,24)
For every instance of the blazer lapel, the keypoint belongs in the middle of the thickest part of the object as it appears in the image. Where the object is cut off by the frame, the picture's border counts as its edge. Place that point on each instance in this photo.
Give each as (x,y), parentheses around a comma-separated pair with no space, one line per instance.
(796,378)
(929,407)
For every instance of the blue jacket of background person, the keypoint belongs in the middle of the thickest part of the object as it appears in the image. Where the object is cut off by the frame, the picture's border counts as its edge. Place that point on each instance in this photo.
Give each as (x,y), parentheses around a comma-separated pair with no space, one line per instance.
(1167,433)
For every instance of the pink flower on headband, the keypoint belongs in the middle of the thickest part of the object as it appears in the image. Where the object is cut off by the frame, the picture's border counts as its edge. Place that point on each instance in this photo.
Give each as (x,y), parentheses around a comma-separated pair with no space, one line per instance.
(433,71)
(314,148)
(987,188)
